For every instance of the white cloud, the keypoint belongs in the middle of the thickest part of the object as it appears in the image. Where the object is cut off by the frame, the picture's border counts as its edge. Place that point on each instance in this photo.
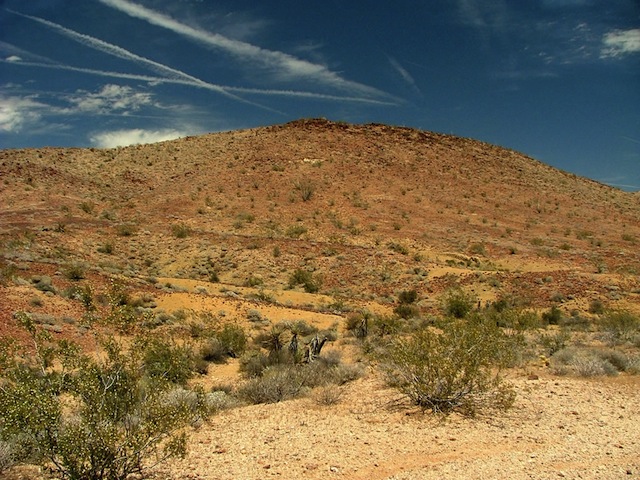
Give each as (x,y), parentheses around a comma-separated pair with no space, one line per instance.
(620,42)
(111,99)
(121,138)
(16,113)
(13,58)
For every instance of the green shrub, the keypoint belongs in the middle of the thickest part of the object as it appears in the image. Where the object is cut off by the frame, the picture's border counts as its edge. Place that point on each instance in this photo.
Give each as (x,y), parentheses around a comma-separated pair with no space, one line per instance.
(86,207)
(126,229)
(286,381)
(253,363)
(295,231)
(180,230)
(406,311)
(91,419)
(357,324)
(382,325)
(75,271)
(277,383)
(253,281)
(515,318)
(107,248)
(233,339)
(554,342)
(457,368)
(620,326)
(407,297)
(165,360)
(309,282)
(553,316)
(596,306)
(457,303)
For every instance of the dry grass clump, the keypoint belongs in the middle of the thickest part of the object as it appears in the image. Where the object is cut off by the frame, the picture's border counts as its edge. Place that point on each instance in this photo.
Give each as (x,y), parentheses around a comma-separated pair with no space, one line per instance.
(589,361)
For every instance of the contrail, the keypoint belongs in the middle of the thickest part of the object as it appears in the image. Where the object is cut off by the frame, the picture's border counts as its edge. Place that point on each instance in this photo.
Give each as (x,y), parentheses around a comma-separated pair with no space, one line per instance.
(144,78)
(285,65)
(298,93)
(205,85)
(100,45)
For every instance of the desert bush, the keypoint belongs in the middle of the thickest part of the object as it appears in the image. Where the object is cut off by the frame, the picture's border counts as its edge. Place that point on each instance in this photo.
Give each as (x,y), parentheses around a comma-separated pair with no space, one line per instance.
(277,383)
(75,271)
(383,325)
(514,318)
(311,283)
(554,342)
(456,368)
(286,381)
(212,350)
(305,189)
(295,230)
(253,281)
(253,363)
(596,306)
(408,296)
(180,230)
(233,339)
(457,303)
(302,328)
(357,323)
(91,419)
(43,283)
(86,207)
(406,311)
(327,395)
(166,360)
(107,248)
(588,362)
(553,316)
(398,247)
(126,229)
(6,456)
(620,326)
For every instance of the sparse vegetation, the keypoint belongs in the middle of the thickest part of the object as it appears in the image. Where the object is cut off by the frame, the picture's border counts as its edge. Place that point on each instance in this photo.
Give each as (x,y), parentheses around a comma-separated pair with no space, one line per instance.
(98,419)
(374,261)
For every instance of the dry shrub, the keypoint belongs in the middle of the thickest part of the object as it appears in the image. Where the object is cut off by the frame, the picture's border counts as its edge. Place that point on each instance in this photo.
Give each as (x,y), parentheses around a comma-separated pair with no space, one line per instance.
(327,395)
(589,362)
(456,368)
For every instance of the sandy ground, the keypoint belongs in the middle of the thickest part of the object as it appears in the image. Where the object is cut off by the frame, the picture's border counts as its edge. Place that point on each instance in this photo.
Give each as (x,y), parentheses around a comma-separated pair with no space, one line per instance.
(559,428)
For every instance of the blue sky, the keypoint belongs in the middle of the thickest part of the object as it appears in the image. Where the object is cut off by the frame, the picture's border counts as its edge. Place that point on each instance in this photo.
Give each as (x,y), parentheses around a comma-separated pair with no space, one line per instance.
(556,79)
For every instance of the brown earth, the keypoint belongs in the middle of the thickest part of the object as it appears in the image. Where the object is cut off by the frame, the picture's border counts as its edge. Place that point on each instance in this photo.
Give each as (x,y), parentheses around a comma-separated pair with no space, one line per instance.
(370,210)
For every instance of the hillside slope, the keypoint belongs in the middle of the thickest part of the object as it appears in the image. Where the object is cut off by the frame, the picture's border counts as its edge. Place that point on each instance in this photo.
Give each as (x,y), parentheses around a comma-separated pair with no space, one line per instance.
(314,221)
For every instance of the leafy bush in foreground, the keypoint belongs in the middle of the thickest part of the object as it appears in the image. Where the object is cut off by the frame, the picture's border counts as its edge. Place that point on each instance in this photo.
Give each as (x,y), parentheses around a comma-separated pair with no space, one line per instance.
(455,368)
(90,419)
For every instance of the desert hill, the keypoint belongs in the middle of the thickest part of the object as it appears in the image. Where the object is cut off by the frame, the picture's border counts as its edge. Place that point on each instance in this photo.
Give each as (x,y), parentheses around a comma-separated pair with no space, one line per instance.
(329,195)
(219,223)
